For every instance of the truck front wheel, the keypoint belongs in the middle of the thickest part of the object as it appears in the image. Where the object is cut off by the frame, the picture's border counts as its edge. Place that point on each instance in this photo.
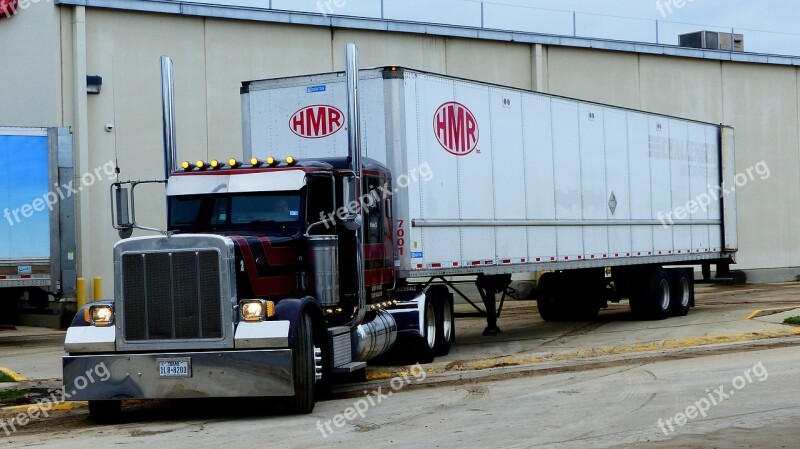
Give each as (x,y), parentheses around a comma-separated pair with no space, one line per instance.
(304,368)
(105,412)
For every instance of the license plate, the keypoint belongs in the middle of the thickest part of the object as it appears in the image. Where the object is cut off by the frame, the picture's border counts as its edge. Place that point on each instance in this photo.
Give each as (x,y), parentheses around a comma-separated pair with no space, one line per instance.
(175,367)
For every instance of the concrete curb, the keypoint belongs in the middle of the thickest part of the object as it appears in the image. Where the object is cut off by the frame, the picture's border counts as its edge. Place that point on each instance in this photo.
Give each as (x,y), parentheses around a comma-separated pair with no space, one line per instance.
(546,368)
(16,377)
(464,366)
(768,312)
(66,406)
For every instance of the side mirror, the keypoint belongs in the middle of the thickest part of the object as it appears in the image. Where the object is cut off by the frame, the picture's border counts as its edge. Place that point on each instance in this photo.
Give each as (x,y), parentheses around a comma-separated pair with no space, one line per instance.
(123,208)
(353,222)
(121,212)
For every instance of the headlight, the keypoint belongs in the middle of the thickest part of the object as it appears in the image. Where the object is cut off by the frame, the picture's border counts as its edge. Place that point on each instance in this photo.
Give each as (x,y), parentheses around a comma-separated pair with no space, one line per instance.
(257,309)
(102,315)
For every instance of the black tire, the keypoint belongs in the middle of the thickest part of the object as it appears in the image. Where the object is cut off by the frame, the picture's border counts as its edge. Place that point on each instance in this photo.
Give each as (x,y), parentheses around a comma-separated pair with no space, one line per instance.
(430,324)
(303,369)
(445,322)
(105,412)
(550,308)
(651,300)
(585,308)
(682,292)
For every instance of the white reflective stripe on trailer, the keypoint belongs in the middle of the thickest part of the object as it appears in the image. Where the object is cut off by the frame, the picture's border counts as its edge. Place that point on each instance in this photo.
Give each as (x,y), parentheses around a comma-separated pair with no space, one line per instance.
(420,270)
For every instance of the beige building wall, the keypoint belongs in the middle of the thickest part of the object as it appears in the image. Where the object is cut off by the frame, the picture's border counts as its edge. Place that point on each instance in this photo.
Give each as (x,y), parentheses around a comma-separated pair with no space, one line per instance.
(763,107)
(213,56)
(30,67)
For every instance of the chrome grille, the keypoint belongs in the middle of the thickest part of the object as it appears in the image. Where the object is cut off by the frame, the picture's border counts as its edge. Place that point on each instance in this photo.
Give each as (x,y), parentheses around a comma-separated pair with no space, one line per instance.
(171,295)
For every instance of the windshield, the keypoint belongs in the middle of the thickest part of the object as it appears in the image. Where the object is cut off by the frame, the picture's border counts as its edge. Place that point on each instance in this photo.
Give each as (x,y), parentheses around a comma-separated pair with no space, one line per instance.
(234,211)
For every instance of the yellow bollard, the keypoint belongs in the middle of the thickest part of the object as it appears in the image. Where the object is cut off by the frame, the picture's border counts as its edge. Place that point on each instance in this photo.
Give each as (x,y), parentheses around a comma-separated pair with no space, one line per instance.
(80,292)
(97,287)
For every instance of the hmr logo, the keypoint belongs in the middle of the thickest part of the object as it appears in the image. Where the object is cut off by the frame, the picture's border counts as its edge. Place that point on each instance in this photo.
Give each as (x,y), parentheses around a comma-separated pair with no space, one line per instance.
(456,128)
(317,121)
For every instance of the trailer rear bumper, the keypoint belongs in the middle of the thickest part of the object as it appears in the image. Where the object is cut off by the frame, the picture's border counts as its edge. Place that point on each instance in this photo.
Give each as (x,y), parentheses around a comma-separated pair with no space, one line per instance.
(202,375)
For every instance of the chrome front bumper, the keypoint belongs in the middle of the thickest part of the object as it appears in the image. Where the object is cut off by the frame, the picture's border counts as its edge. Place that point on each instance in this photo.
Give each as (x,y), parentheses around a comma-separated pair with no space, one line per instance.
(213,375)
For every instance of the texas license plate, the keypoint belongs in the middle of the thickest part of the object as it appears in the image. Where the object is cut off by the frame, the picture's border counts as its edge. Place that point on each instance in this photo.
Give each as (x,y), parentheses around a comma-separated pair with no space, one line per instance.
(175,367)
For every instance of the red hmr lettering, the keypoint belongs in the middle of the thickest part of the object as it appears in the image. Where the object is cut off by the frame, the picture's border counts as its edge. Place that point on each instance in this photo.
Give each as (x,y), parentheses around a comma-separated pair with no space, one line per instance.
(456,128)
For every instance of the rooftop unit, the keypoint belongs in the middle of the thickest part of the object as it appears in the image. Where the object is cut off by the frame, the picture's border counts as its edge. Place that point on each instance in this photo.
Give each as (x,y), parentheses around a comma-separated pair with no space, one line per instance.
(712,40)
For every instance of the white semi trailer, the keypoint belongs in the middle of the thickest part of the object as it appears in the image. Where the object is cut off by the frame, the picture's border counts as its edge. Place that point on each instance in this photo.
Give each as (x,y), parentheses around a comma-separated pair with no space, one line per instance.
(305,260)
(522,182)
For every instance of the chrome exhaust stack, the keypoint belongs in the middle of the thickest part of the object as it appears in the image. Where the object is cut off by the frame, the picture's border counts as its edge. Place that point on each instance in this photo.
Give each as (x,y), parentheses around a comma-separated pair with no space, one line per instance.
(354,148)
(168,111)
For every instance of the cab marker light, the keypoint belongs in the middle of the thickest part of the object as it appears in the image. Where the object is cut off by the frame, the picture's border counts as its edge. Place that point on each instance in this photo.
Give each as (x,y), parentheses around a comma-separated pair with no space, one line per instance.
(256,163)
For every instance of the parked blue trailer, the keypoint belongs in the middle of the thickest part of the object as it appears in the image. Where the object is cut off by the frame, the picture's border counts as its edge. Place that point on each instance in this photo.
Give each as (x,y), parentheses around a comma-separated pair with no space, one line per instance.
(37,245)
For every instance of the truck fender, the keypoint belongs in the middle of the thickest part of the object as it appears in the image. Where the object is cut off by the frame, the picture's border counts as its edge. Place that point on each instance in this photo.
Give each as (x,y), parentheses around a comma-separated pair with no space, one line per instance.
(409,313)
(292,309)
(79,321)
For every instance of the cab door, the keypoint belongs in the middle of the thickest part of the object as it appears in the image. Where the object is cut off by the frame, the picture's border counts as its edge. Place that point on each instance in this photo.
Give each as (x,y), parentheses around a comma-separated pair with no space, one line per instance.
(378,236)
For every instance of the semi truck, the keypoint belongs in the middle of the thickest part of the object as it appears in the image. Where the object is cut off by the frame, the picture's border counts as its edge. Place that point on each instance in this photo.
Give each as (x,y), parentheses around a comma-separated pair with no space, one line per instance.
(362,196)
(37,245)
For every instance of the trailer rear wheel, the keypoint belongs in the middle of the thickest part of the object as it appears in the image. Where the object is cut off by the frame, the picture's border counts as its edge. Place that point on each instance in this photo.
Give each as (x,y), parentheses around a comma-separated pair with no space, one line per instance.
(682,292)
(550,308)
(304,367)
(584,306)
(652,299)
(105,412)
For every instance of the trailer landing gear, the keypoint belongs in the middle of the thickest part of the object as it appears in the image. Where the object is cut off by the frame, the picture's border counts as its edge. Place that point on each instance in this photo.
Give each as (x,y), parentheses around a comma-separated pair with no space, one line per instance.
(488,287)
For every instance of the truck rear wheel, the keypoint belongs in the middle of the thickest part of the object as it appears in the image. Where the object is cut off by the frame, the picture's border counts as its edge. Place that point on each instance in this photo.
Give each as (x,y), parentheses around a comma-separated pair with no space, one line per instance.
(445,324)
(430,326)
(304,368)
(682,292)
(105,412)
(653,299)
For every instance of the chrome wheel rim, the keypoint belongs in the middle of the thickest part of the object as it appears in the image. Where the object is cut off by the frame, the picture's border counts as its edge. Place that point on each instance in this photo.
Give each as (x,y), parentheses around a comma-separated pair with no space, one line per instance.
(664,292)
(684,292)
(447,317)
(430,324)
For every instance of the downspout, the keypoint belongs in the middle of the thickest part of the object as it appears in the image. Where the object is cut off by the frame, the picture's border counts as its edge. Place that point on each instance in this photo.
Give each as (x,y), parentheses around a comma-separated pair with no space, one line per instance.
(81,138)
